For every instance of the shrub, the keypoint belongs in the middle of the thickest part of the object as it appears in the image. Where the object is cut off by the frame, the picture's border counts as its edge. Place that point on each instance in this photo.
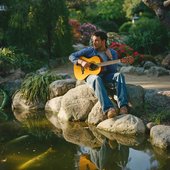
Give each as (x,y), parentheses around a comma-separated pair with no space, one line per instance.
(12,58)
(124,50)
(86,30)
(160,117)
(107,26)
(124,28)
(148,36)
(75,25)
(114,37)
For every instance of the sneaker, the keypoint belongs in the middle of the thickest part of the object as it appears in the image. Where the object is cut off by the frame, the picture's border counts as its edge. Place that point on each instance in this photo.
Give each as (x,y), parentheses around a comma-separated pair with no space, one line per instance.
(123,110)
(111,113)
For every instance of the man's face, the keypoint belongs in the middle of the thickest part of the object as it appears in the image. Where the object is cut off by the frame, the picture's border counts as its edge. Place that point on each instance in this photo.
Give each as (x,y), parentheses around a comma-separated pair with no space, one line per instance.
(98,43)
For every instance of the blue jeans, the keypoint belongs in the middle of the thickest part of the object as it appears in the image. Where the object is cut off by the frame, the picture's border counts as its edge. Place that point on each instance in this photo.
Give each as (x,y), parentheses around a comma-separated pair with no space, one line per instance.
(98,82)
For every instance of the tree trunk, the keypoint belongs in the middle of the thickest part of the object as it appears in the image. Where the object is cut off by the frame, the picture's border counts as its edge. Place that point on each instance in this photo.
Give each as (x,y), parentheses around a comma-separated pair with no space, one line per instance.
(161,9)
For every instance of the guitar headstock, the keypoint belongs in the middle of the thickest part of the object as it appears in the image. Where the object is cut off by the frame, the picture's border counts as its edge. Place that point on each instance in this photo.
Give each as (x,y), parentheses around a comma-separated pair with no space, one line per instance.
(127,60)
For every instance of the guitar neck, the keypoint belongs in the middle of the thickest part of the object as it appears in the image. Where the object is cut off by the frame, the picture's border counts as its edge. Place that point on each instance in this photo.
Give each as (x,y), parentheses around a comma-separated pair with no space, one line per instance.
(106,63)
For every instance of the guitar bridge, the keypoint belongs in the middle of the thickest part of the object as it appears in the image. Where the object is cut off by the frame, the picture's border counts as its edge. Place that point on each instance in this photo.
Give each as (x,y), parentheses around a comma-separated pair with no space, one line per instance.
(82,70)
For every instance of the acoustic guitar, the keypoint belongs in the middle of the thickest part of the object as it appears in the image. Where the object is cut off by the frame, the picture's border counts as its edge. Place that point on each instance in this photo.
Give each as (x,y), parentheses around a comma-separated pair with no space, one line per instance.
(96,65)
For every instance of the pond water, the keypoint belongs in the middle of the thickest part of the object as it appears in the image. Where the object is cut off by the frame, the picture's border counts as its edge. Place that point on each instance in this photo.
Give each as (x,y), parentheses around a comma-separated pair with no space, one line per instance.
(40,146)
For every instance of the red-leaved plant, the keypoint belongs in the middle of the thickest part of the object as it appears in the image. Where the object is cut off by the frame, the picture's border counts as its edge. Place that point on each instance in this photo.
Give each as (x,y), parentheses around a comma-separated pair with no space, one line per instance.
(124,50)
(75,25)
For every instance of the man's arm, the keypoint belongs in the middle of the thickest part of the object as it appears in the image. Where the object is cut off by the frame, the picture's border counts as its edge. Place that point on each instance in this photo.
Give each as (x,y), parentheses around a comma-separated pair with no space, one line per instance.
(75,57)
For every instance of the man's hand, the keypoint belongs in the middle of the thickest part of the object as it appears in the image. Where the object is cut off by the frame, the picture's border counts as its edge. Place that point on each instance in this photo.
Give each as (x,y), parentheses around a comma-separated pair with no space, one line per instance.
(83,63)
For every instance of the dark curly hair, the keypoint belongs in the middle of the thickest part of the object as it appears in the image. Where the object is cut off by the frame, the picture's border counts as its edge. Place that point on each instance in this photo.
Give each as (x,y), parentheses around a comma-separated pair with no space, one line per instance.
(101,34)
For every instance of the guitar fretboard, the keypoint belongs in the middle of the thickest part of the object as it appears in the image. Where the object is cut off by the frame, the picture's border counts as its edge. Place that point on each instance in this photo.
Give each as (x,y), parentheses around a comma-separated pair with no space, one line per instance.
(106,63)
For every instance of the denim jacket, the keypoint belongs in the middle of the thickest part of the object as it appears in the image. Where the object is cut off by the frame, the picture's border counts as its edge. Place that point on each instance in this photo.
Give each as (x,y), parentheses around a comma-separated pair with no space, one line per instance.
(88,52)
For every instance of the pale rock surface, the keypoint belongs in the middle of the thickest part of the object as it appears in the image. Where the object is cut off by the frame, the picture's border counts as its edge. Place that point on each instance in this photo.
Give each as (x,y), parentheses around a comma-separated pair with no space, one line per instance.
(160,136)
(77,103)
(60,87)
(123,124)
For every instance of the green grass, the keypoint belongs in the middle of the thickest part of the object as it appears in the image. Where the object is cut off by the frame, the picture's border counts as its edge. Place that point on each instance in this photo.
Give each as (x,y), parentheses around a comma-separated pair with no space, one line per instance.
(35,88)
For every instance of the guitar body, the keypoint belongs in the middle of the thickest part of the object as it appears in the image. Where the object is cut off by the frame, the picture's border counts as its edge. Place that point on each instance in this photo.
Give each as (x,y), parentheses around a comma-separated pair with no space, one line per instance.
(96,65)
(81,74)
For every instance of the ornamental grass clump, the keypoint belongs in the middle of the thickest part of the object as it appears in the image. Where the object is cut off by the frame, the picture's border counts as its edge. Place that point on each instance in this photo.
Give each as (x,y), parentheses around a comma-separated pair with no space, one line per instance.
(35,87)
(124,50)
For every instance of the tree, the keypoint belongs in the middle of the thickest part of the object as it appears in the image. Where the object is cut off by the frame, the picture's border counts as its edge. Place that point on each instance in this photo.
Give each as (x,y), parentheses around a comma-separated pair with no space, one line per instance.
(40,27)
(4,18)
(128,7)
(161,9)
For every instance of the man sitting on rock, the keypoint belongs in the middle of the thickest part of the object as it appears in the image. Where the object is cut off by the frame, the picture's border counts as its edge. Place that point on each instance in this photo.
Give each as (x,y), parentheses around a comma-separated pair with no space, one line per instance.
(108,75)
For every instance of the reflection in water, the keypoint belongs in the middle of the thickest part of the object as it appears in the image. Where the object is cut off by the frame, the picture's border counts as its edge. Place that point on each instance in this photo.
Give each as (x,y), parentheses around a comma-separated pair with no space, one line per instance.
(142,159)
(114,156)
(109,156)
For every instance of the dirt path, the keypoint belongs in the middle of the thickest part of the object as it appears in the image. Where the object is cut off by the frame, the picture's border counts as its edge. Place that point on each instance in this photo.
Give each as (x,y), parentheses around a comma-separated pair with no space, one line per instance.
(162,82)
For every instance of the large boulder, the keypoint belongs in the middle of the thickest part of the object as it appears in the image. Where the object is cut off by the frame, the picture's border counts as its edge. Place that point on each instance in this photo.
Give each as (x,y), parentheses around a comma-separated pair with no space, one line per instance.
(53,105)
(80,103)
(135,97)
(60,87)
(128,140)
(166,62)
(77,103)
(95,116)
(57,88)
(157,99)
(123,124)
(157,71)
(160,136)
(19,102)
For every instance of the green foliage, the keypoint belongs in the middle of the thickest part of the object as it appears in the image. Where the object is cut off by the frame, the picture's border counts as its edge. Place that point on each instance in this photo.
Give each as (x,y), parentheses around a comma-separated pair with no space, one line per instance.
(35,87)
(124,28)
(157,116)
(3,102)
(3,98)
(98,12)
(114,37)
(129,6)
(107,26)
(40,28)
(160,117)
(148,36)
(110,9)
(82,10)
(12,58)
(107,14)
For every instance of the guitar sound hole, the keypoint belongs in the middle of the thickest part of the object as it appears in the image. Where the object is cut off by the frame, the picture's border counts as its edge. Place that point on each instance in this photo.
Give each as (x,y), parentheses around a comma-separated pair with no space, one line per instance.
(93,66)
